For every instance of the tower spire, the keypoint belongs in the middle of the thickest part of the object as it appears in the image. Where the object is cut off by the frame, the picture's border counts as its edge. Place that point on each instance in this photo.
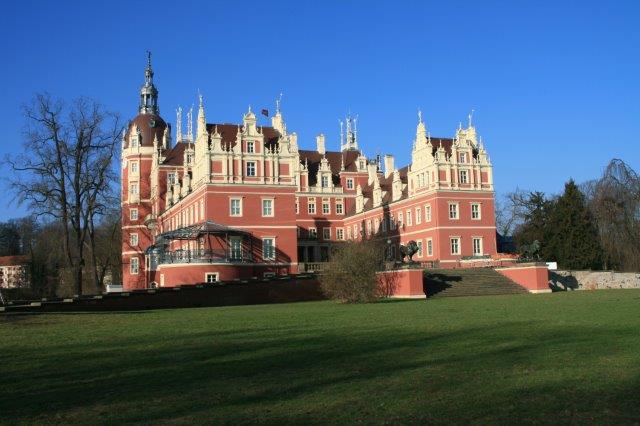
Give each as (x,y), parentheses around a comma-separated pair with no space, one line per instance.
(148,92)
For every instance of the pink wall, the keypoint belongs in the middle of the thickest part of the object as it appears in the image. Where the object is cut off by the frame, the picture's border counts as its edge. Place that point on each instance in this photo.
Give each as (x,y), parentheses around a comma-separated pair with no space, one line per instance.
(405,283)
(533,277)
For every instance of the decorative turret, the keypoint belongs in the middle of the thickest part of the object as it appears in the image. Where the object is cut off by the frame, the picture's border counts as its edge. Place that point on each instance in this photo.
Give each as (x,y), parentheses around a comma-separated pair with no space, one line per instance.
(201,129)
(148,92)
(359,199)
(421,133)
(351,142)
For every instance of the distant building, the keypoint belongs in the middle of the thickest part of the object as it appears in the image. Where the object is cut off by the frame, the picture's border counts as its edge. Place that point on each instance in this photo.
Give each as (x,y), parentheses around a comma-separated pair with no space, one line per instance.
(13,271)
(234,201)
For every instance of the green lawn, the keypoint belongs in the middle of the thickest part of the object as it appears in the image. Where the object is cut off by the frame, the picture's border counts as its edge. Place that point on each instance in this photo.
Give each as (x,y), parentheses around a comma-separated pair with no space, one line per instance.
(565,357)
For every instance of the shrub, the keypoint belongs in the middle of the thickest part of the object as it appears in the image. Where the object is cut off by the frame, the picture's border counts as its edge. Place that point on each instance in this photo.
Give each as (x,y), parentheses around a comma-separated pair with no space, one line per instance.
(351,274)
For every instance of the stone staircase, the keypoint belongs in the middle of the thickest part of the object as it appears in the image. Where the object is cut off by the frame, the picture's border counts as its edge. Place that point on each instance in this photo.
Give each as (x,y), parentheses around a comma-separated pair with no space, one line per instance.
(468,282)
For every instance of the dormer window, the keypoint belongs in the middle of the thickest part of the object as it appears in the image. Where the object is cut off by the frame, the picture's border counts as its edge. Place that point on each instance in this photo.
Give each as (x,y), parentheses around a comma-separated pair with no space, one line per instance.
(463,157)
(251,168)
(361,164)
(134,141)
(250,147)
(189,158)
(464,176)
(325,181)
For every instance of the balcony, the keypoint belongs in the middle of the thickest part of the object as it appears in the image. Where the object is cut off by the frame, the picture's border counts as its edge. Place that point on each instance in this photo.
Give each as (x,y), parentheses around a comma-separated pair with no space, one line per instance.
(205,256)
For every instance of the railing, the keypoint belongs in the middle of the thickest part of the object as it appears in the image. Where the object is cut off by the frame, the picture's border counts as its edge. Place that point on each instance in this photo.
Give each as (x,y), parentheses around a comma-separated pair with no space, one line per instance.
(209,256)
(312,266)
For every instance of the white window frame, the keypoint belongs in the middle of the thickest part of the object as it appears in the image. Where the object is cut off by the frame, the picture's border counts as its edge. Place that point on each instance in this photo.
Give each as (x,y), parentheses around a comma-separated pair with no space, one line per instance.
(429,247)
(134,189)
(400,220)
(134,265)
(349,183)
(463,157)
(326,233)
(313,232)
(311,205)
(251,167)
(418,215)
(458,245)
(456,210)
(409,219)
(427,213)
(134,168)
(324,181)
(340,207)
(231,207)
(272,256)
(326,207)
(171,179)
(134,240)
(369,227)
(481,246)
(133,214)
(251,147)
(461,174)
(215,275)
(479,211)
(420,252)
(340,234)
(271,208)
(297,205)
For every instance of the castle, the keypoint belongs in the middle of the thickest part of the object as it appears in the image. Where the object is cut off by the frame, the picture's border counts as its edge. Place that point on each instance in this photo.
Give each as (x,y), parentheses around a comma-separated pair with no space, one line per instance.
(235,201)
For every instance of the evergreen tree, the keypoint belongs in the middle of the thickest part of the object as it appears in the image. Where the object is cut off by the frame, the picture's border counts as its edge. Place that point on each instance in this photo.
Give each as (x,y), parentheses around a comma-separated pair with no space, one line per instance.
(571,235)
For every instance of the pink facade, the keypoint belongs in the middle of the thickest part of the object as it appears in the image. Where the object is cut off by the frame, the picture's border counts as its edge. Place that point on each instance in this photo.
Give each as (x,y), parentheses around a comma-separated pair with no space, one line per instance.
(534,276)
(236,201)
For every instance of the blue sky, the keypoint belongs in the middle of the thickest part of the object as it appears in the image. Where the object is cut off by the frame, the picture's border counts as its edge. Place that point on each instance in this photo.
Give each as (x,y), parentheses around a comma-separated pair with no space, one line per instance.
(554,85)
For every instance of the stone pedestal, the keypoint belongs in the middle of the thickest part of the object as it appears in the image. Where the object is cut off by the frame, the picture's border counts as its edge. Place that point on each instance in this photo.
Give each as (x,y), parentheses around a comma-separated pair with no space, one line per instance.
(533,276)
(402,283)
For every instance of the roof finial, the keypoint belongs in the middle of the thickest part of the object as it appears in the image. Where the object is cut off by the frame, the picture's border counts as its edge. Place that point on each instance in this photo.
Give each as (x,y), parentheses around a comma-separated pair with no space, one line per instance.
(419,115)
(470,117)
(278,101)
(200,99)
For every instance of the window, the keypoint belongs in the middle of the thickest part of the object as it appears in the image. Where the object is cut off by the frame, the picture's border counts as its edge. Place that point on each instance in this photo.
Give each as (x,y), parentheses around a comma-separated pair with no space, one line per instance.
(235,207)
(189,158)
(171,179)
(134,266)
(429,247)
(349,183)
(400,220)
(409,222)
(369,227)
(133,240)
(453,210)
(477,247)
(297,205)
(376,225)
(211,277)
(250,147)
(235,248)
(339,234)
(311,206)
(134,167)
(134,141)
(463,157)
(325,181)
(427,213)
(133,188)
(339,207)
(251,168)
(267,207)
(133,214)
(419,248)
(202,209)
(269,249)
(392,223)
(455,245)
(475,211)
(418,215)
(355,231)
(313,233)
(464,176)
(348,232)
(362,165)
(326,207)
(326,233)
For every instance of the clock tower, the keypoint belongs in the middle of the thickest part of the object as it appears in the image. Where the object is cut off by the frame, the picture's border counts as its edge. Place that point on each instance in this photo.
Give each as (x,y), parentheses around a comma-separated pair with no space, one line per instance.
(145,135)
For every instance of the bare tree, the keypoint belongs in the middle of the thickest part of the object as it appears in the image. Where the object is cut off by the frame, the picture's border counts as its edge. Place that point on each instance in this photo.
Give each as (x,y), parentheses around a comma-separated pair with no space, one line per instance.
(64,172)
(614,200)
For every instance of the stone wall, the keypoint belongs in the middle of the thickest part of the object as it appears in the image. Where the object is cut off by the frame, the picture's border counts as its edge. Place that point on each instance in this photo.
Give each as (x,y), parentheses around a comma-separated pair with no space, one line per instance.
(593,280)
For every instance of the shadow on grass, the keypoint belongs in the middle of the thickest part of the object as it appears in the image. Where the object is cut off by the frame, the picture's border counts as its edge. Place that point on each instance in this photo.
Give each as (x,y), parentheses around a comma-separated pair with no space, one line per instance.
(241,371)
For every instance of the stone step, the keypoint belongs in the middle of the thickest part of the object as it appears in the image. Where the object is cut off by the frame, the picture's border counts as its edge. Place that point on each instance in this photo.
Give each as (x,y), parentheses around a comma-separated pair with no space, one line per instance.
(468,282)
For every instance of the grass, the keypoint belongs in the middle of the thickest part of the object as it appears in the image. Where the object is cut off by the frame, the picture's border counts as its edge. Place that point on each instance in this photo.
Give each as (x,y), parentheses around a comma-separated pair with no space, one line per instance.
(557,358)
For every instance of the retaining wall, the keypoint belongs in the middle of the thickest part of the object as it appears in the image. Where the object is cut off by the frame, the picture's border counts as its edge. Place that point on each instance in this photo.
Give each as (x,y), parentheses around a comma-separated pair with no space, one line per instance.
(593,280)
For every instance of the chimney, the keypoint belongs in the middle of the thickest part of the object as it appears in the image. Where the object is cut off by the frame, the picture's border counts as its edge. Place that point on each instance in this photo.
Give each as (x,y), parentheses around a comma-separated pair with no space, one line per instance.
(372,169)
(320,144)
(388,165)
